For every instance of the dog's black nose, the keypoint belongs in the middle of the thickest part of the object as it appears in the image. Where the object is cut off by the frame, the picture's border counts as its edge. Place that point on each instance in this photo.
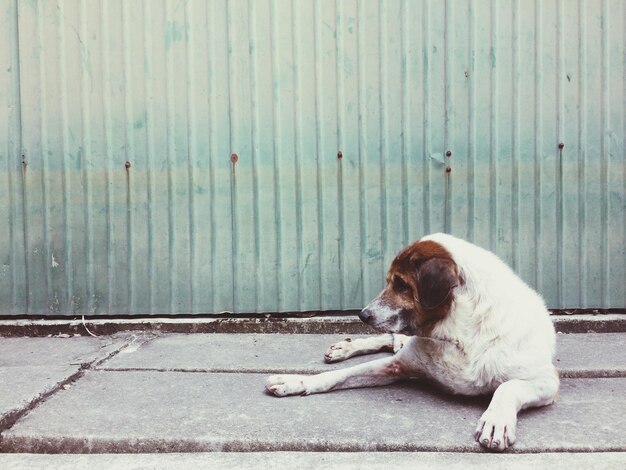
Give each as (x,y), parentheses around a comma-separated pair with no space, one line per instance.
(365,315)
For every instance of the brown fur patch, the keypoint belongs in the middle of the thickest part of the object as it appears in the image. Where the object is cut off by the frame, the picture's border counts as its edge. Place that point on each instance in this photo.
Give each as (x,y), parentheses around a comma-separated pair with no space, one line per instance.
(397,369)
(430,273)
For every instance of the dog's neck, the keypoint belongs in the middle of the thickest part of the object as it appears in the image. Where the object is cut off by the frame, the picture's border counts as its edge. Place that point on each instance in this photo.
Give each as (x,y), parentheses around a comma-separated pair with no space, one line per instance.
(445,339)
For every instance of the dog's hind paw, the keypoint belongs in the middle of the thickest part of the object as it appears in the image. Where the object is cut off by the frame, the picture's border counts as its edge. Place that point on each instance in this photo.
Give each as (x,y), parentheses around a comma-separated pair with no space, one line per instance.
(284,385)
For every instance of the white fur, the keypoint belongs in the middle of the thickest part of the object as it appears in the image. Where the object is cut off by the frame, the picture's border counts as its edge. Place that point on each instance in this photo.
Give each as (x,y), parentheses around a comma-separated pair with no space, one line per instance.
(387,317)
(497,338)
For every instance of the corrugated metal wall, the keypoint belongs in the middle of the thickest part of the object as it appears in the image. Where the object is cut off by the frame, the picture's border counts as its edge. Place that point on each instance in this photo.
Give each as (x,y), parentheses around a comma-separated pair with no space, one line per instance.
(273,155)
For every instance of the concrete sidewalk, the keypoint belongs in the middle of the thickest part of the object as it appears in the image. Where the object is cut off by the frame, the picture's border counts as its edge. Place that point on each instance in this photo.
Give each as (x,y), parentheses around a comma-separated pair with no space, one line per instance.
(148,392)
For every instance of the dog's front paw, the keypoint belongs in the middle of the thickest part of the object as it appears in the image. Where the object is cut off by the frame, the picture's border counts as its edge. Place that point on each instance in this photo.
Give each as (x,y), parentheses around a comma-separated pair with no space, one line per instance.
(496,429)
(339,351)
(284,385)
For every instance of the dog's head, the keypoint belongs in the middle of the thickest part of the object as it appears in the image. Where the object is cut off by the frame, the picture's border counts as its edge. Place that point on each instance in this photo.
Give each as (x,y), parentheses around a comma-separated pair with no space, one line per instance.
(419,291)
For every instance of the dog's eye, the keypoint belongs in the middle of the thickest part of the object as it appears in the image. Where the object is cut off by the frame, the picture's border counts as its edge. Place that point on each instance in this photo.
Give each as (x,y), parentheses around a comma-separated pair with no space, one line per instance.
(399,285)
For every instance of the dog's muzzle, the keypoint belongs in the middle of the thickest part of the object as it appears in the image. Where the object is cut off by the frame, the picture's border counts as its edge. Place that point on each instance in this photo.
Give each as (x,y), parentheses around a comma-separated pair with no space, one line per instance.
(366,315)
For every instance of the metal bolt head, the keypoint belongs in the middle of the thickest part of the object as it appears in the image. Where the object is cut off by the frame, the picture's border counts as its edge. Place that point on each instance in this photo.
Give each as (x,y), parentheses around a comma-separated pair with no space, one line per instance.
(561,145)
(339,155)
(449,153)
(234,158)
(127,165)
(448,169)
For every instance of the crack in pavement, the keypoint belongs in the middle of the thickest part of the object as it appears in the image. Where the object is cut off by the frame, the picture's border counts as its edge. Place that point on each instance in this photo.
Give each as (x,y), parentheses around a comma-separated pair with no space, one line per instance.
(12,417)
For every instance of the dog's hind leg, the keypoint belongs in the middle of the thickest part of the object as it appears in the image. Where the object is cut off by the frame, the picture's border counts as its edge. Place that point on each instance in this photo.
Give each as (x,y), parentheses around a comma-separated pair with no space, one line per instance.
(496,427)
(356,347)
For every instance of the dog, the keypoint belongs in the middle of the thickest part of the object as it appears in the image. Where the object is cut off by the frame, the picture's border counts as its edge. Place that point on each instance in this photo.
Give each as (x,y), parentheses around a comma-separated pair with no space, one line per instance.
(456,315)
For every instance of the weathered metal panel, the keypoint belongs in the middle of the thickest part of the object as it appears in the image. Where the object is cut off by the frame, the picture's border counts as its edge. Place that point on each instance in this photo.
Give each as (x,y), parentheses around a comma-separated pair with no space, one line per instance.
(273,155)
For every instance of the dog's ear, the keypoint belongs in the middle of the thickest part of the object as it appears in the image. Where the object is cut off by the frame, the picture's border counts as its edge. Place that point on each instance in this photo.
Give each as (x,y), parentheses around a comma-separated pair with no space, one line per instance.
(436,277)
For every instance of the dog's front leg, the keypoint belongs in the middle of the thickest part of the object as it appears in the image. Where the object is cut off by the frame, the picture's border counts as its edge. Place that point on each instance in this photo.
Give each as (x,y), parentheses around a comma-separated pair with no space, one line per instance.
(372,344)
(379,372)
(496,427)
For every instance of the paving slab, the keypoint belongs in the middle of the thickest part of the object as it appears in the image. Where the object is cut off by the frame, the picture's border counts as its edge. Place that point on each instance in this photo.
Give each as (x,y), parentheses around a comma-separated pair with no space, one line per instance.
(591,355)
(578,355)
(27,351)
(316,460)
(20,387)
(148,411)
(33,367)
(224,352)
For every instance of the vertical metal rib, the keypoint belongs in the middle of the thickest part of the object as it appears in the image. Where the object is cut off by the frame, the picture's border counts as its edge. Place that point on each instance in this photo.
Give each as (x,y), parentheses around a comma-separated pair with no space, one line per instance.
(276,145)
(360,79)
(254,125)
(130,151)
(65,172)
(582,146)
(515,97)
(16,185)
(447,106)
(560,111)
(106,80)
(382,80)
(171,185)
(426,116)
(297,120)
(87,174)
(233,178)
(318,137)
(405,96)
(213,149)
(471,157)
(191,146)
(150,151)
(45,155)
(604,157)
(537,147)
(339,47)
(493,132)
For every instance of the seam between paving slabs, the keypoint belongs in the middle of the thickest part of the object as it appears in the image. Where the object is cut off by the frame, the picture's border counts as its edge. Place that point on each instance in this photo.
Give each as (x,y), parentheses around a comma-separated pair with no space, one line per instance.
(567,374)
(12,418)
(107,446)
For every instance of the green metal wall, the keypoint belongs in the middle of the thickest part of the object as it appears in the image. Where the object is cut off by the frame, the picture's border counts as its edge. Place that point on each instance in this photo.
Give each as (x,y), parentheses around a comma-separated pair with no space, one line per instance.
(273,155)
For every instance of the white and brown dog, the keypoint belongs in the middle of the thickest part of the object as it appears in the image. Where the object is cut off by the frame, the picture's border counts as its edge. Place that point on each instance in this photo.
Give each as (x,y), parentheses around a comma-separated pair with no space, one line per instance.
(473,328)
